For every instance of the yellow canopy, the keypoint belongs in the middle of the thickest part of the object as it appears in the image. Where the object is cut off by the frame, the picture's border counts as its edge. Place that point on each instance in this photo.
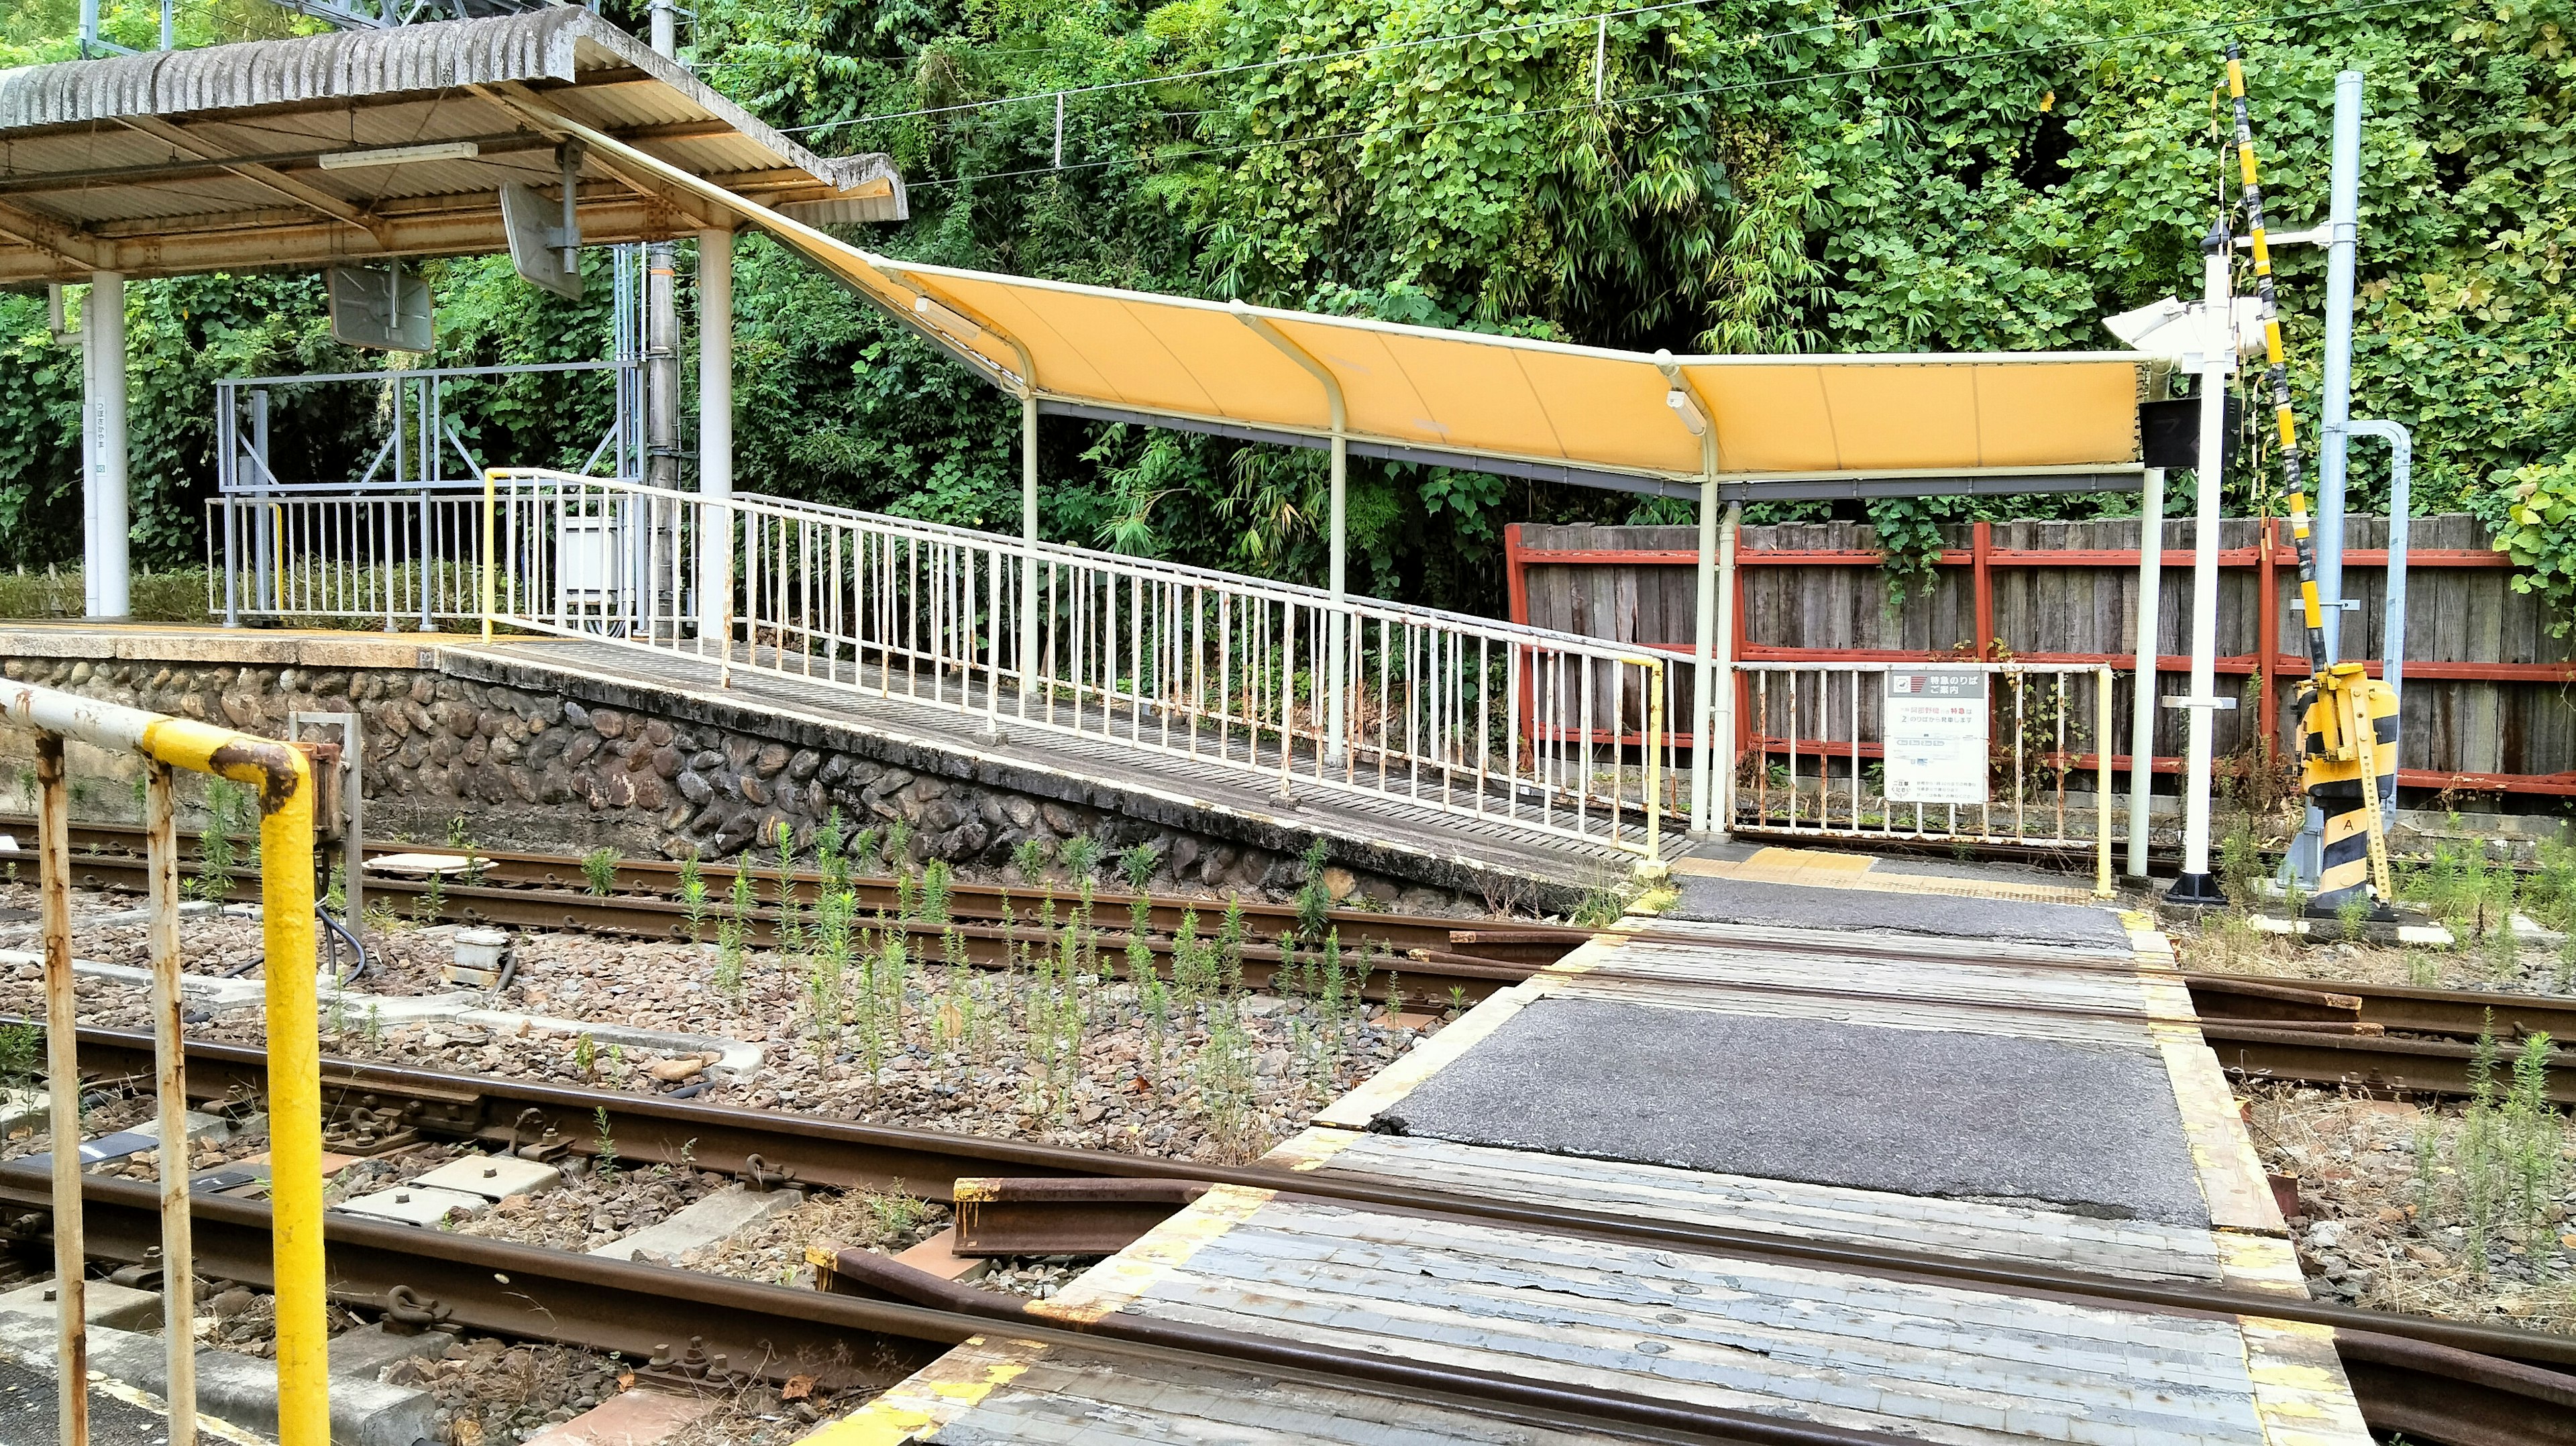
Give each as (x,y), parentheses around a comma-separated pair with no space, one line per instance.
(1511,404)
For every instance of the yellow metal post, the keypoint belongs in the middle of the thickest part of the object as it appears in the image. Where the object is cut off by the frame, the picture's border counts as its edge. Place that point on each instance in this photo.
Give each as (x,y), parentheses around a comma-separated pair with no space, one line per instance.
(295,1112)
(1653,868)
(284,781)
(2102,784)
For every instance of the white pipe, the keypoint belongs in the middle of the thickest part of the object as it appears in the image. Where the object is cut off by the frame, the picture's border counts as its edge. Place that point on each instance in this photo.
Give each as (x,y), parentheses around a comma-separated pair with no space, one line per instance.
(1338,646)
(1028,534)
(2195,884)
(106,566)
(715,429)
(1703,800)
(1722,716)
(2142,721)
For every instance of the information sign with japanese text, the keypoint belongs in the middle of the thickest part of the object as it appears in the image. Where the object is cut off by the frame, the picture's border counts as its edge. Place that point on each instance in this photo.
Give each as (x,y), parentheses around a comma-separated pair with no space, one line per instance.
(1936,735)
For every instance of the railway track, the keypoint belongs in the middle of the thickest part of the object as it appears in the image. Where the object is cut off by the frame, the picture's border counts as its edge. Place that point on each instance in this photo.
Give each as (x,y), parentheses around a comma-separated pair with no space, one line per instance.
(2381,1038)
(2413,1372)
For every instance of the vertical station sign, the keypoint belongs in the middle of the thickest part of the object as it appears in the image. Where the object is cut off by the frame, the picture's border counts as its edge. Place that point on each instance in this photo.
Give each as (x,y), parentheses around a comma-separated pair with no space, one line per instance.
(1936,735)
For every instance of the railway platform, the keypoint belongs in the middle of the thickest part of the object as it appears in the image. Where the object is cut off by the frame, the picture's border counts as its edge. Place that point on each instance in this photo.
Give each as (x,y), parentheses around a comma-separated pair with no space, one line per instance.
(1919,1069)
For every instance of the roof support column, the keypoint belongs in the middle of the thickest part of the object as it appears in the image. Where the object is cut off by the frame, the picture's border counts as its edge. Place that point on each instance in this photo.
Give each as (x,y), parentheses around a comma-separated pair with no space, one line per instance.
(1713,625)
(1339,642)
(1337,638)
(1713,659)
(103,448)
(715,435)
(1029,536)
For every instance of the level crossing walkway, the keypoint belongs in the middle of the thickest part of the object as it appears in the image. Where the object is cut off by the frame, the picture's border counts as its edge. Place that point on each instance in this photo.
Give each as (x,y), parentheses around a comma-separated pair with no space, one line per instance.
(2019,1099)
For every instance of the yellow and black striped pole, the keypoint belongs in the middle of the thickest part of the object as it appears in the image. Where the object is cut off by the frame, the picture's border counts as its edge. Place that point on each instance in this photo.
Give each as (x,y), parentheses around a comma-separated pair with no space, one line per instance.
(2348,728)
(2276,375)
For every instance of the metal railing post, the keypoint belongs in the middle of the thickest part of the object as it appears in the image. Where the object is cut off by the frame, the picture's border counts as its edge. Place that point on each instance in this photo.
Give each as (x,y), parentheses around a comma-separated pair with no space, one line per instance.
(2102,782)
(63,1091)
(491,560)
(169,1052)
(1653,866)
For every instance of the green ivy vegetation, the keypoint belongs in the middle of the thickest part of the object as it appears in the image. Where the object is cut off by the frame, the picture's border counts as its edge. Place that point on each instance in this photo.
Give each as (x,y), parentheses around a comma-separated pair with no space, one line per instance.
(1756,175)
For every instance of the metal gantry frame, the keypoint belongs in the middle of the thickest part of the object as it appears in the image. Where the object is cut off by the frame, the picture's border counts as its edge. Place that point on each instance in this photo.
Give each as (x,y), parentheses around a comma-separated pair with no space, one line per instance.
(281,779)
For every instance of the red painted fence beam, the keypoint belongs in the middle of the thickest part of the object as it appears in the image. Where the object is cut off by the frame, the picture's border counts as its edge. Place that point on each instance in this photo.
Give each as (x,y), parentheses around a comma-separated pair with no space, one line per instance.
(2271,554)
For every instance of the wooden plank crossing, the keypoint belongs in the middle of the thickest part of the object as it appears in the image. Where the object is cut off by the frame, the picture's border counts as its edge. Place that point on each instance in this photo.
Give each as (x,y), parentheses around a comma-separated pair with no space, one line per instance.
(1846,1347)
(1964,1229)
(1952,1365)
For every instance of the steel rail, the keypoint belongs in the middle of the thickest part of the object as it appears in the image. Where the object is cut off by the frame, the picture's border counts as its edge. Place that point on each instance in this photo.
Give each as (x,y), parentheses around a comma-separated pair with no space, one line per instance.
(2397,1008)
(775,1332)
(1510,942)
(987,944)
(710,1331)
(845,1154)
(2305,1030)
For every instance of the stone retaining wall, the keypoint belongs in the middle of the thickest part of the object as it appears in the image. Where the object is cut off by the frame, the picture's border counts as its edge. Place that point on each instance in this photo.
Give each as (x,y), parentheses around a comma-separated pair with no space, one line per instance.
(508,766)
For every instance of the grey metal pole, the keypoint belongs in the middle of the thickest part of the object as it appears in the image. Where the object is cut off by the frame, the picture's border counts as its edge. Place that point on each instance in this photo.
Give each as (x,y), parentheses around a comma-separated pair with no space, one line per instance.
(2343,220)
(2150,645)
(2304,859)
(662,318)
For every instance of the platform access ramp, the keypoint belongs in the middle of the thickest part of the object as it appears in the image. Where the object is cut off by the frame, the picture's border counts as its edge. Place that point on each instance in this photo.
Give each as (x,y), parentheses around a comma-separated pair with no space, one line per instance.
(1316,696)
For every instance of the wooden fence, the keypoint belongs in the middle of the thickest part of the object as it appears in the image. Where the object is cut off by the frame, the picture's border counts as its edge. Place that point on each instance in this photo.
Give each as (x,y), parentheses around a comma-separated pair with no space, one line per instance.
(2488,700)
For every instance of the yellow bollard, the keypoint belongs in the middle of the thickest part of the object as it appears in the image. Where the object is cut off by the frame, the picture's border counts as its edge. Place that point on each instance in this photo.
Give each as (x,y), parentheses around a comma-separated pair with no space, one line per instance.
(283,780)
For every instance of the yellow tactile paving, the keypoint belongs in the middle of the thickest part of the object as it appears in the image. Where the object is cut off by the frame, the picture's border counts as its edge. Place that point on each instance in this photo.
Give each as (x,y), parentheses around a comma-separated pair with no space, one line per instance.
(1817,868)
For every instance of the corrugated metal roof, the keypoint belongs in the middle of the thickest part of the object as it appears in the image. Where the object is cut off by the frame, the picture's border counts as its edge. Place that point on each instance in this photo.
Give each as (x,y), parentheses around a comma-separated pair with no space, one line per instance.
(210,159)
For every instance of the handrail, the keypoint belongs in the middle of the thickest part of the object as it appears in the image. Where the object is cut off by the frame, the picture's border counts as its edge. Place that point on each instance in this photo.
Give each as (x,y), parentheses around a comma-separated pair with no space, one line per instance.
(282,780)
(788,506)
(1556,731)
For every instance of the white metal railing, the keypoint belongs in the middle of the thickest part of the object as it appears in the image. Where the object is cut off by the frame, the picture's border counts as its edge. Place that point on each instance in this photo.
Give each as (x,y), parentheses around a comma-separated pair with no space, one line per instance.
(406,558)
(1545,730)
(1814,760)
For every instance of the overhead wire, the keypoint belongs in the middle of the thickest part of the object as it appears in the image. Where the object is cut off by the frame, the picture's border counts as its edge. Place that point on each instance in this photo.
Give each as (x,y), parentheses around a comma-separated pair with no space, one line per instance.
(1661,98)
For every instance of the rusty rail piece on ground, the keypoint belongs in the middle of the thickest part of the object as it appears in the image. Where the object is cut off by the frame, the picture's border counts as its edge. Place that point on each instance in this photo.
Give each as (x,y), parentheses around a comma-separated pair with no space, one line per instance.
(845,1154)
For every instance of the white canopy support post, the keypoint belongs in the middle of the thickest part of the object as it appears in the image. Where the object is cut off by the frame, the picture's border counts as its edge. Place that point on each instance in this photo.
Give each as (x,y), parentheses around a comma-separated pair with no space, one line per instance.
(1029,535)
(2218,359)
(2142,720)
(104,502)
(1721,708)
(1337,642)
(1716,574)
(1704,663)
(715,436)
